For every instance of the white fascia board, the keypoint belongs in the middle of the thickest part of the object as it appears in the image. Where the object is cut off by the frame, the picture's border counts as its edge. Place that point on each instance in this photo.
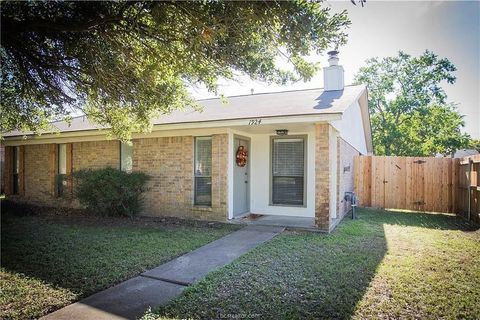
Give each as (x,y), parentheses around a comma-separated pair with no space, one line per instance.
(367,124)
(166,130)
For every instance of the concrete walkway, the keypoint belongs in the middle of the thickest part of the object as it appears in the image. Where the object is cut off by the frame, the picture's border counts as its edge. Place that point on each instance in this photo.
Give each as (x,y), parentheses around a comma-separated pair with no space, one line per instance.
(130,299)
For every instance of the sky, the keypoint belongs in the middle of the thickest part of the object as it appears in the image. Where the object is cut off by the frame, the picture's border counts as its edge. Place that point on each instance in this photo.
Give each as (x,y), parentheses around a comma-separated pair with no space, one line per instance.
(451,29)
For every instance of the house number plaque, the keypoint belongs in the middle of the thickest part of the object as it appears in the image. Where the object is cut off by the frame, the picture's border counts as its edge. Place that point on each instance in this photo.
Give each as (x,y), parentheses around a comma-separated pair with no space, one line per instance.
(254,122)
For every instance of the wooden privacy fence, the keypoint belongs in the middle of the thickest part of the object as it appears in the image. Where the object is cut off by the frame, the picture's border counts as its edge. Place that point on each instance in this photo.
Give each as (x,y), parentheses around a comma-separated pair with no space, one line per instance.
(468,190)
(419,183)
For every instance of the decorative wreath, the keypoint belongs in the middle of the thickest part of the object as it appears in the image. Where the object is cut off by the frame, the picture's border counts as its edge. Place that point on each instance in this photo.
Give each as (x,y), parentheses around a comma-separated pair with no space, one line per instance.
(242,156)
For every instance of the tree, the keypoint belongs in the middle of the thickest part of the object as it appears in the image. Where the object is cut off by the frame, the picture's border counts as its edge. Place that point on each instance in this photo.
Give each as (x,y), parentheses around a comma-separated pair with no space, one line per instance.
(409,112)
(123,63)
(475,144)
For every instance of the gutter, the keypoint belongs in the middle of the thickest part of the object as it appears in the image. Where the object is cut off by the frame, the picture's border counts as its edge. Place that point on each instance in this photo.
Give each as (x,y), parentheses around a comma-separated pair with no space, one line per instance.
(206,124)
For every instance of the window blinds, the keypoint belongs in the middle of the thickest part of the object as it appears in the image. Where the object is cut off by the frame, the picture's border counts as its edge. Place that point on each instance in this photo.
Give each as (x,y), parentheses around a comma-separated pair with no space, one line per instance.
(288,169)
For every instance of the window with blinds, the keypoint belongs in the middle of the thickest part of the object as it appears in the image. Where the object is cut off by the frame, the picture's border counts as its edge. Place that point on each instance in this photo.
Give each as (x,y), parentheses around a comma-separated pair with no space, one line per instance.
(288,171)
(203,171)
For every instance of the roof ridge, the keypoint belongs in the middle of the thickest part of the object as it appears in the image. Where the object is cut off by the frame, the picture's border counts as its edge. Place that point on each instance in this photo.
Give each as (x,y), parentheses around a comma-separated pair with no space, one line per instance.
(274,92)
(235,96)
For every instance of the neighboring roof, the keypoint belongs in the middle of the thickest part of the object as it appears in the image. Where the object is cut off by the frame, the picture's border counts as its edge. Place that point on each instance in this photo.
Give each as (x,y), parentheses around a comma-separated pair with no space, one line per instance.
(274,104)
(465,153)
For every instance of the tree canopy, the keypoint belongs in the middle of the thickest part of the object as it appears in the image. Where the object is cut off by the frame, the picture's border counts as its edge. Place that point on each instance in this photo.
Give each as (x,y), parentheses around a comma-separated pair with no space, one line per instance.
(475,144)
(409,111)
(123,63)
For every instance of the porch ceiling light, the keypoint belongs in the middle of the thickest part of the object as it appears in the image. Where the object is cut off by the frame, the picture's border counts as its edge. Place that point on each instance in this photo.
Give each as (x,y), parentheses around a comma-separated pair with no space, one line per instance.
(282,132)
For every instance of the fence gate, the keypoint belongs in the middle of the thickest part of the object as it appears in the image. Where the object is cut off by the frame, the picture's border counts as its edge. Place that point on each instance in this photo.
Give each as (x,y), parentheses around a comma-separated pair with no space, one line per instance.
(468,191)
(412,183)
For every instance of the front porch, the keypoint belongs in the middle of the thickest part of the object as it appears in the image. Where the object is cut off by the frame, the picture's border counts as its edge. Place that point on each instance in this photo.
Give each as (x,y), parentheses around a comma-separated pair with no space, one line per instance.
(288,179)
(305,223)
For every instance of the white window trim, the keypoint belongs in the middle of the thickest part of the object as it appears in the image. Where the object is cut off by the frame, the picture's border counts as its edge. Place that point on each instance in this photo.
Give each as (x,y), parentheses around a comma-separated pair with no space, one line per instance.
(122,164)
(200,176)
(305,170)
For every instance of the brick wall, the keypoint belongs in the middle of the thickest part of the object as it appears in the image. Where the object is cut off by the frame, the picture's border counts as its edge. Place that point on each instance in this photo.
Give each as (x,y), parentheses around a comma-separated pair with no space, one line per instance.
(39,163)
(95,154)
(37,174)
(168,160)
(344,174)
(322,180)
(220,175)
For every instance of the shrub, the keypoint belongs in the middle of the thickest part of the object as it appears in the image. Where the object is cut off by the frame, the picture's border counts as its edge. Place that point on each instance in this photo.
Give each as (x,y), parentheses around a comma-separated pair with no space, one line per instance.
(110,191)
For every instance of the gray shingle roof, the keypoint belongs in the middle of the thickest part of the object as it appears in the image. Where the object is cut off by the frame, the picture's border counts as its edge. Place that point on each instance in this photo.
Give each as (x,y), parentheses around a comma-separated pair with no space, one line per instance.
(275,104)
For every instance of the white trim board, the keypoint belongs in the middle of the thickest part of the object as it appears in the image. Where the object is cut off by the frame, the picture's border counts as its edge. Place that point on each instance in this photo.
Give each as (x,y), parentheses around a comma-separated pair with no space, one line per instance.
(167,130)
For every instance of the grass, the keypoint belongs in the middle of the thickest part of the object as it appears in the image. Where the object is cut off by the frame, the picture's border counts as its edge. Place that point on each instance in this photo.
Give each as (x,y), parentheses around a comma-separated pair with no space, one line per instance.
(50,261)
(385,265)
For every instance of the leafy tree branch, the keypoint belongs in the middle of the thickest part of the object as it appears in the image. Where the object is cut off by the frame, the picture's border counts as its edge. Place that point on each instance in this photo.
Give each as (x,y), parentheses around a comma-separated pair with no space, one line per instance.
(124,63)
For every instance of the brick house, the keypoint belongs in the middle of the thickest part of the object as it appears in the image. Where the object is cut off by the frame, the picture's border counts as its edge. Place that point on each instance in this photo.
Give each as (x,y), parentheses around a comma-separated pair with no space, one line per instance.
(300,147)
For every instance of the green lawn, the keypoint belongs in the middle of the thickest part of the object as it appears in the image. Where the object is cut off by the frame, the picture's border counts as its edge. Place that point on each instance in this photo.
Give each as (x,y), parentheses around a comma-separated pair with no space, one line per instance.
(385,265)
(50,261)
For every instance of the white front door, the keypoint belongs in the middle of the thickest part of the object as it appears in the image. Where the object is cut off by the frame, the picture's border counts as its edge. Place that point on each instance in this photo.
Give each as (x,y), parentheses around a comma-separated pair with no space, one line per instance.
(240,179)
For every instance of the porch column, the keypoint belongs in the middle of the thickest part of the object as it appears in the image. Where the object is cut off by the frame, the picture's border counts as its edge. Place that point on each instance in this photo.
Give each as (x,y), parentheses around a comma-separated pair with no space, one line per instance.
(325,158)
(220,155)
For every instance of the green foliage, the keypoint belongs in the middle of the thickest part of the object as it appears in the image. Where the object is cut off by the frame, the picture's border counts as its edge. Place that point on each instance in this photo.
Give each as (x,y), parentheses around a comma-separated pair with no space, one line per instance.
(123,63)
(475,144)
(409,111)
(110,191)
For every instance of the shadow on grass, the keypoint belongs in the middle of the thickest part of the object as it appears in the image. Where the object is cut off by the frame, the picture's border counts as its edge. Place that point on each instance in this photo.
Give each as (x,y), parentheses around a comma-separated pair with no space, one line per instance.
(303,275)
(294,276)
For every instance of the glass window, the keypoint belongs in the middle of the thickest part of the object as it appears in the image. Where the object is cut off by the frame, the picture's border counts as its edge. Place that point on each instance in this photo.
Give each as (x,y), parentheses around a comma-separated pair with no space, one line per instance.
(62,159)
(203,171)
(16,169)
(288,171)
(126,156)
(61,169)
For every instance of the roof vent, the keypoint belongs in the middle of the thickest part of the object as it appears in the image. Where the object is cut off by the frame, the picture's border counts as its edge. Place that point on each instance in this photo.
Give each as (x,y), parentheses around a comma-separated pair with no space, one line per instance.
(333,74)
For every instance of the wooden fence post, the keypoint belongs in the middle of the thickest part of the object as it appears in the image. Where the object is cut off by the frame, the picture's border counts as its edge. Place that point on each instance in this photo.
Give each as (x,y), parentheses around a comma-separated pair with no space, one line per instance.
(469,188)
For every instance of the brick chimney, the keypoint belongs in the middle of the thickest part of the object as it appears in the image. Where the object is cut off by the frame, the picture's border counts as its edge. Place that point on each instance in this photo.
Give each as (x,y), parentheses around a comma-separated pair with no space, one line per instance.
(333,74)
